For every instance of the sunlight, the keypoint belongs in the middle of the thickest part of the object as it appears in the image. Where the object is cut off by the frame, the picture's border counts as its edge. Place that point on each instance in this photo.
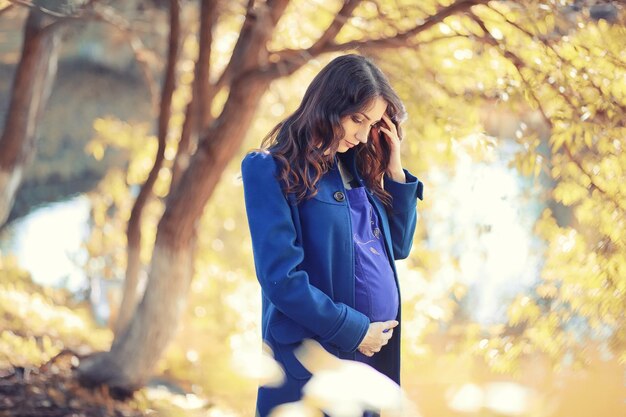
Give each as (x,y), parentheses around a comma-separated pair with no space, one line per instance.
(461,54)
(507,398)
(491,237)
(46,240)
(502,398)
(25,305)
(185,402)
(468,398)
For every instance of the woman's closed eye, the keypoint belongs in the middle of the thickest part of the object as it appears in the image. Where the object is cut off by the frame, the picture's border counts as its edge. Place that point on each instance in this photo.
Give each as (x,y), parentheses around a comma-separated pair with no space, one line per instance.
(359,121)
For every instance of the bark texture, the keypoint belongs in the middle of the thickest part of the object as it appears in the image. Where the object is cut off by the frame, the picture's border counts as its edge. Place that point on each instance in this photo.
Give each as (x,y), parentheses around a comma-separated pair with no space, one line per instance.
(31,89)
(133,234)
(136,350)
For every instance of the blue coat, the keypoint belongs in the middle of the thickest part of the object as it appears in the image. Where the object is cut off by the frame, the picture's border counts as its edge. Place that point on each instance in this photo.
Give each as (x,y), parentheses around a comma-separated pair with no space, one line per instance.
(303,255)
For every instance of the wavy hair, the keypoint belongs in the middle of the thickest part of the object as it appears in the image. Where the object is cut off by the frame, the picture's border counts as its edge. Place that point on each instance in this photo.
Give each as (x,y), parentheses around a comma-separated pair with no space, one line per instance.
(305,143)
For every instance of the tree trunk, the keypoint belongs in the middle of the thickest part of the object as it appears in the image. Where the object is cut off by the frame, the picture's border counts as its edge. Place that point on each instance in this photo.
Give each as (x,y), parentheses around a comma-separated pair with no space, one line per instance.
(130,295)
(31,88)
(135,351)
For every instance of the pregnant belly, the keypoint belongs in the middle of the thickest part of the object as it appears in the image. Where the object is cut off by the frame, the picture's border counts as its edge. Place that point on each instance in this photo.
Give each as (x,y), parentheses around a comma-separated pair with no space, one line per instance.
(376,294)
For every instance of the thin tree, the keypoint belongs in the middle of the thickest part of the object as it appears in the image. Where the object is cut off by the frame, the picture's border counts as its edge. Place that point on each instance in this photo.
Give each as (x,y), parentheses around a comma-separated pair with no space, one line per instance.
(34,77)
(133,233)
(30,91)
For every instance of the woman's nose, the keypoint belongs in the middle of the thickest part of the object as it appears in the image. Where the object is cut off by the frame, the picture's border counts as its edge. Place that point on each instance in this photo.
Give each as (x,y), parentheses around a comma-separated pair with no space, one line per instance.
(361,135)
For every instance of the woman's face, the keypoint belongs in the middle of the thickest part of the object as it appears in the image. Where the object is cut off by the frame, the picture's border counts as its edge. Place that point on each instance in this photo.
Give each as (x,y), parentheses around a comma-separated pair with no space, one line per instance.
(357,126)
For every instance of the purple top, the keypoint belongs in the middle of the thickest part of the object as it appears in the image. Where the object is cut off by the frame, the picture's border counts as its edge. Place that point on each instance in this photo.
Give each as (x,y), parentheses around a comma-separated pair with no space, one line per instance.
(375,292)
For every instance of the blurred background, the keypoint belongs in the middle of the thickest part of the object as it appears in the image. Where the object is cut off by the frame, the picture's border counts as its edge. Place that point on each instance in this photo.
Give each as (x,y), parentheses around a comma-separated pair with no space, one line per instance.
(123,127)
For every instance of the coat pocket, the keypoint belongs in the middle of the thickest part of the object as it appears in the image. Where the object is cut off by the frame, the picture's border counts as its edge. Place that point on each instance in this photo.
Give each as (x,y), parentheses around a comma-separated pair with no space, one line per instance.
(288,335)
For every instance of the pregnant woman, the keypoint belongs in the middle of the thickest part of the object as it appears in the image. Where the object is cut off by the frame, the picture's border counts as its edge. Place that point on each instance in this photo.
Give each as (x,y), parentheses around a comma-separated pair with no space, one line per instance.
(330,208)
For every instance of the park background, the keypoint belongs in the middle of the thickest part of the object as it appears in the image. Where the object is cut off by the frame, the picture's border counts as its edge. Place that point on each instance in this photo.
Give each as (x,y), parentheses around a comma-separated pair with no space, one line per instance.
(123,127)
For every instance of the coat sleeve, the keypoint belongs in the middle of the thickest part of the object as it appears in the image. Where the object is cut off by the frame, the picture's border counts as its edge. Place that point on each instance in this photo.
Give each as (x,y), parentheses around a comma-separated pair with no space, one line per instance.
(277,255)
(403,212)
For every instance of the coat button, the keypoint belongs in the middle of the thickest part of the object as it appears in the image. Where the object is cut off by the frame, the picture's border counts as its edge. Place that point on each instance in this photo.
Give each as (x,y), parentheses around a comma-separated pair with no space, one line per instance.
(339,196)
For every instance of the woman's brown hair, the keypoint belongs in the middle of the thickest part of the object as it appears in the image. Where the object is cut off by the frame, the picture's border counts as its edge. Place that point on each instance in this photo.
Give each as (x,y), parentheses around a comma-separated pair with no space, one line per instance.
(306,142)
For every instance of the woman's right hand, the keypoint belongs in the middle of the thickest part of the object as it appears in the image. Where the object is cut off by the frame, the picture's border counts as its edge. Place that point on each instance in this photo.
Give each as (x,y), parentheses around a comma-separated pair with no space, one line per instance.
(377,336)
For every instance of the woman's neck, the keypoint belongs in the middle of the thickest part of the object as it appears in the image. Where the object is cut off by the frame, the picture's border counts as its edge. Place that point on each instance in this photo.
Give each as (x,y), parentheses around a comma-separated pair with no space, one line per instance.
(345,176)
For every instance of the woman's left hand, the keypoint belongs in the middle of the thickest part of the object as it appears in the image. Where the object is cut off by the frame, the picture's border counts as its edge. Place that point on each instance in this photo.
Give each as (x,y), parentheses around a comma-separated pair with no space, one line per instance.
(394,170)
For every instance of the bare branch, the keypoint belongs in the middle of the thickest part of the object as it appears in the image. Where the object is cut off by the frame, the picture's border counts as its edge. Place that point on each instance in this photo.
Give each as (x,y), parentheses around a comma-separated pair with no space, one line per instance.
(141,53)
(208,18)
(105,15)
(256,26)
(401,38)
(198,111)
(382,16)
(46,11)
(338,23)
(296,58)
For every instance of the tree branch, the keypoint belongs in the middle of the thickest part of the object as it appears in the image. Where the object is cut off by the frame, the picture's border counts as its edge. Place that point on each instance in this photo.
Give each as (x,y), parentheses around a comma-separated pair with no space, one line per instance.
(590,177)
(518,63)
(337,24)
(198,111)
(555,53)
(105,15)
(294,58)
(47,11)
(133,231)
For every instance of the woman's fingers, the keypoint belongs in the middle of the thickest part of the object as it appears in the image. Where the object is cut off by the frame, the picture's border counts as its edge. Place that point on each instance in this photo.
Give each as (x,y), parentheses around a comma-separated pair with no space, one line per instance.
(378,336)
(391,324)
(390,123)
(366,352)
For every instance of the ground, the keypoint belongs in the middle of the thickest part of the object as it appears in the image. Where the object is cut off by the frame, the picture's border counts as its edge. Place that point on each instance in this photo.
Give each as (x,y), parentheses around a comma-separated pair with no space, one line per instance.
(51,390)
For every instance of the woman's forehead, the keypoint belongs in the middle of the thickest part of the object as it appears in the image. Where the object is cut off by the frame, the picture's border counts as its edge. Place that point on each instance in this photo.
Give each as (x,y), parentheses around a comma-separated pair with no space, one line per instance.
(375,108)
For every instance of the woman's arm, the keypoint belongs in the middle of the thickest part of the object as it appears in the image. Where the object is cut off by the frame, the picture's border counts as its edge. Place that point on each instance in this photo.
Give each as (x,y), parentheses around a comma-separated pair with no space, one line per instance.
(404,188)
(403,212)
(277,256)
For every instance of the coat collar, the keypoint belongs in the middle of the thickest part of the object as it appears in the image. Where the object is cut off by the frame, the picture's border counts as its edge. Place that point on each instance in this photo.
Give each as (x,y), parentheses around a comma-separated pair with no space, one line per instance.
(349,160)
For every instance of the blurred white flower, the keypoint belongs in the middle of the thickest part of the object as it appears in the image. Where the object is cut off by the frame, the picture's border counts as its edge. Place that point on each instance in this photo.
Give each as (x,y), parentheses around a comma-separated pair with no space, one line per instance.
(503,398)
(259,365)
(296,409)
(345,388)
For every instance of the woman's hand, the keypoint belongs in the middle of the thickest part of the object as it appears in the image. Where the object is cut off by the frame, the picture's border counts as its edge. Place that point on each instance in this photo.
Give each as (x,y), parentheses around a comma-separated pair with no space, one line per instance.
(377,336)
(388,128)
